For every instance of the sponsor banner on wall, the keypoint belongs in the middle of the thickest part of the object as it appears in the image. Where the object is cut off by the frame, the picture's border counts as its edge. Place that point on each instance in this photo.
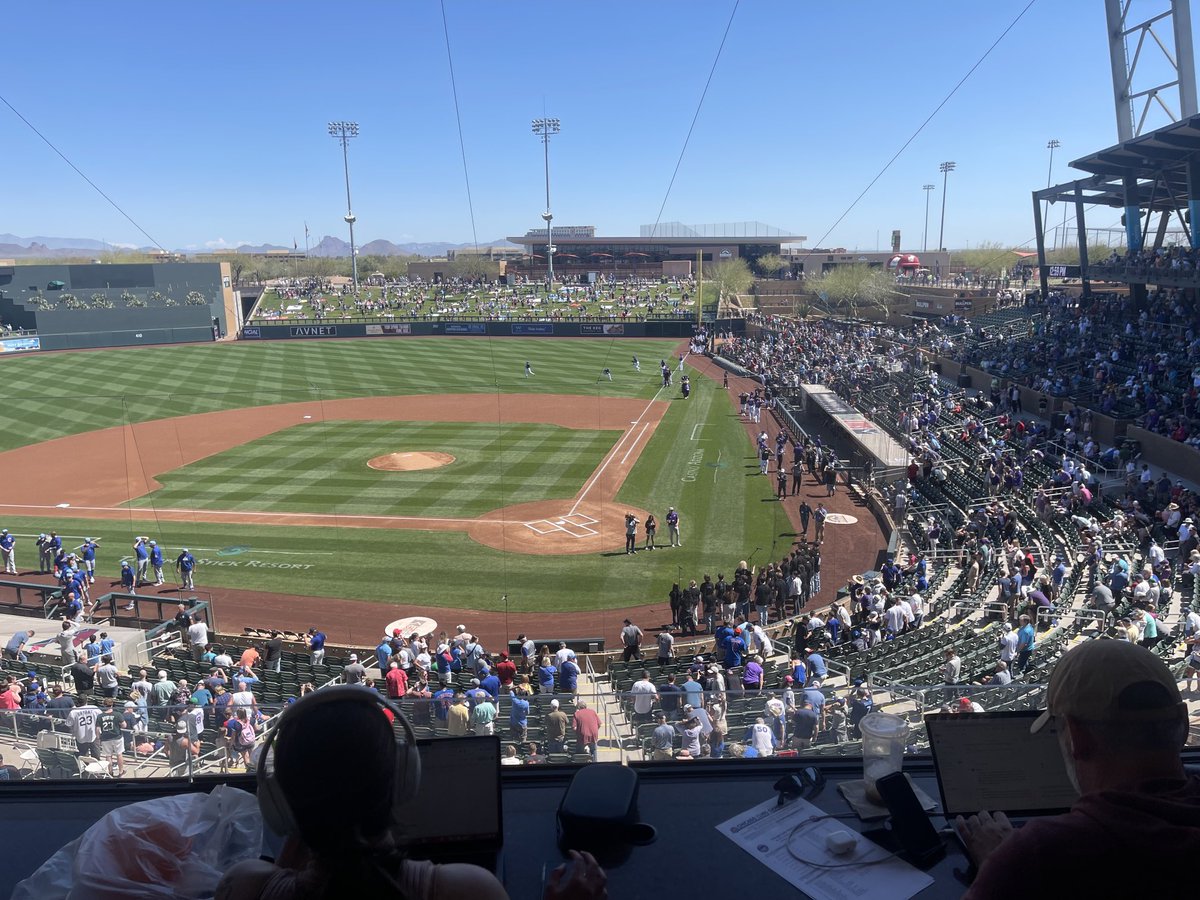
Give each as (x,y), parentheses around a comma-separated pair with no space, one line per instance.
(390,328)
(463,327)
(252,331)
(531,328)
(614,330)
(20,345)
(313,331)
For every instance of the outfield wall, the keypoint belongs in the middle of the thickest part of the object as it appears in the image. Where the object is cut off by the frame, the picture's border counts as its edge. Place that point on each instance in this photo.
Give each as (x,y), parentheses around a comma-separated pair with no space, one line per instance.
(650,329)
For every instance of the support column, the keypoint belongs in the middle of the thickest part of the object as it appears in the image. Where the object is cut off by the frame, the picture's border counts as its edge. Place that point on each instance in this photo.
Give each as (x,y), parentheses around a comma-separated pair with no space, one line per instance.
(1133,234)
(1043,275)
(1193,201)
(1081,236)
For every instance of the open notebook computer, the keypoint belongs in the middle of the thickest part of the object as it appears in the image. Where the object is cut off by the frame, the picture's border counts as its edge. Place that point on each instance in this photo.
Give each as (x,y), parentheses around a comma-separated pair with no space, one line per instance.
(990,761)
(457,814)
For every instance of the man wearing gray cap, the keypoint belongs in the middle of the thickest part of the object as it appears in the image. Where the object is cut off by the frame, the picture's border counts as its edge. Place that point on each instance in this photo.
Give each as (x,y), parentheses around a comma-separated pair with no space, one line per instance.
(1121,725)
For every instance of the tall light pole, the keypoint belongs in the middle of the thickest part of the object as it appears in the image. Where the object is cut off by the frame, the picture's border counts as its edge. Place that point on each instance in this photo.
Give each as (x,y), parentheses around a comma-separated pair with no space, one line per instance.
(925,234)
(1051,145)
(343,131)
(945,168)
(544,128)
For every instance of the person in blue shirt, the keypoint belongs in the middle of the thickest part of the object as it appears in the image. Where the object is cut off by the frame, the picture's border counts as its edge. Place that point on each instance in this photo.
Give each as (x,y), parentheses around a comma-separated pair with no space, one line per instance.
(73,609)
(441,704)
(156,562)
(106,644)
(92,649)
(316,646)
(815,666)
(141,552)
(723,636)
(185,564)
(735,651)
(568,676)
(545,676)
(1026,643)
(491,684)
(383,653)
(53,548)
(518,718)
(88,551)
(7,543)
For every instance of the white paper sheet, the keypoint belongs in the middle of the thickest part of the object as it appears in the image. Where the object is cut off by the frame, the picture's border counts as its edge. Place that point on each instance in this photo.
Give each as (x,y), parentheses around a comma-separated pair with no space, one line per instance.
(763,832)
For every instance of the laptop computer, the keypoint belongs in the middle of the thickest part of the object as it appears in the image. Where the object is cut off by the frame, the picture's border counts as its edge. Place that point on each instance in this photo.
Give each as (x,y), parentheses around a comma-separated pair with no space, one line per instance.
(990,761)
(457,815)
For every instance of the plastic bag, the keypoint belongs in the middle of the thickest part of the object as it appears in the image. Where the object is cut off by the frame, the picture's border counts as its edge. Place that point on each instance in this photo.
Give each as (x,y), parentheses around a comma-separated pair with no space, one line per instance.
(166,847)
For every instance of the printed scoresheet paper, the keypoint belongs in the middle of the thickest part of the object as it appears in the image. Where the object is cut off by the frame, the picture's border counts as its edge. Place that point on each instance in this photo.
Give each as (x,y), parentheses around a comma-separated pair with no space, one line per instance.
(763,832)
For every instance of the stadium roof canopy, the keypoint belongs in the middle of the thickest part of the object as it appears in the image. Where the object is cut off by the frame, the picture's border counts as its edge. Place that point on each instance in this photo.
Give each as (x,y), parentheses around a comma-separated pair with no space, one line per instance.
(1157,160)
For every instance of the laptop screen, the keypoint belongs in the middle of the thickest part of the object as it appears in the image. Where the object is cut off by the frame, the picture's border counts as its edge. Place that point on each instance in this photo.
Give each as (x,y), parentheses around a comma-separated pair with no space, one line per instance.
(459,798)
(990,761)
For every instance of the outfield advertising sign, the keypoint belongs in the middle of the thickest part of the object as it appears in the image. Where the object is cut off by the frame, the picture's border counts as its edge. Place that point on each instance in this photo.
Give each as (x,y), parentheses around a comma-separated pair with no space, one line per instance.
(252,331)
(389,328)
(313,331)
(20,345)
(532,328)
(611,330)
(463,327)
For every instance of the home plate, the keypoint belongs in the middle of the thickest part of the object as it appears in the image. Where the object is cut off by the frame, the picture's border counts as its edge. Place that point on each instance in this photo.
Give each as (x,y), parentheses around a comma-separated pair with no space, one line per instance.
(62,505)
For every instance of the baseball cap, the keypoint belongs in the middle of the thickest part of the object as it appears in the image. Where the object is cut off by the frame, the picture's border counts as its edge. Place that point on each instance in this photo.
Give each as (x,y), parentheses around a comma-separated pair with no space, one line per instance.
(554,704)
(354,657)
(1110,681)
(181,727)
(964,703)
(788,679)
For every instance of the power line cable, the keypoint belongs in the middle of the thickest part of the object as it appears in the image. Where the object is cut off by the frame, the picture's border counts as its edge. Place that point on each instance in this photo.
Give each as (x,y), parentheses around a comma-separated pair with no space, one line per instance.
(458,118)
(79,172)
(921,127)
(691,127)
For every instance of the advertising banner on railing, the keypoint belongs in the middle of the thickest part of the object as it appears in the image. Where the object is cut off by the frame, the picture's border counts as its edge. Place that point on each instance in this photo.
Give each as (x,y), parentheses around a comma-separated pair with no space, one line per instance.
(389,328)
(462,327)
(20,345)
(532,328)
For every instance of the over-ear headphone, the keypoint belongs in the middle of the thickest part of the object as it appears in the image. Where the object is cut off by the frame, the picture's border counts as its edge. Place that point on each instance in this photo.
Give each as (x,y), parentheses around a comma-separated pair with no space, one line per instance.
(406,780)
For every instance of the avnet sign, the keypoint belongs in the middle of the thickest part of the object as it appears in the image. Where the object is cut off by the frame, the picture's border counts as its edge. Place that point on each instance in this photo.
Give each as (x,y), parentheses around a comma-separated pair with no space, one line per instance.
(313,331)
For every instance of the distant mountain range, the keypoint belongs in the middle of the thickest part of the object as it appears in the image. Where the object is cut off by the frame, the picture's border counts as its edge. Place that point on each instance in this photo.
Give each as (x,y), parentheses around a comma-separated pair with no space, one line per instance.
(12,246)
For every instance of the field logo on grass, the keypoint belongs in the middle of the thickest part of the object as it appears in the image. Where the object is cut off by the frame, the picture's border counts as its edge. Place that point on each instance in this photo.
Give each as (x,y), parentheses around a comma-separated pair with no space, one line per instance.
(235,550)
(692,472)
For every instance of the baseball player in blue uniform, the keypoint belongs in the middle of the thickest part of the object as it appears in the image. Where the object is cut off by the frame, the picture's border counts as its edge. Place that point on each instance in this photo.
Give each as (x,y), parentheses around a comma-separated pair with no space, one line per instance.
(141,551)
(7,542)
(185,563)
(156,561)
(88,549)
(127,582)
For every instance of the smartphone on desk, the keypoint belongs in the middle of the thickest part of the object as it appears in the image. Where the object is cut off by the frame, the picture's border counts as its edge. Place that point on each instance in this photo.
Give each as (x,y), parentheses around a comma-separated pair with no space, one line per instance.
(911,827)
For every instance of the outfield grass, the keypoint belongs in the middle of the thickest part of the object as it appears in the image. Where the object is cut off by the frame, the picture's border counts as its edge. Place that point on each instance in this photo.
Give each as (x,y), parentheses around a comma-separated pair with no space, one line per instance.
(699,461)
(322,468)
(52,394)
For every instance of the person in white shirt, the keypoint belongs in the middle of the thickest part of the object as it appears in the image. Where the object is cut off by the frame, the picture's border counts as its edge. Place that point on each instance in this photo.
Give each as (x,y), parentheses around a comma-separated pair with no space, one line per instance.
(562,654)
(66,643)
(223,660)
(82,722)
(895,617)
(644,696)
(761,738)
(510,757)
(1008,646)
(762,643)
(197,634)
(243,696)
(916,606)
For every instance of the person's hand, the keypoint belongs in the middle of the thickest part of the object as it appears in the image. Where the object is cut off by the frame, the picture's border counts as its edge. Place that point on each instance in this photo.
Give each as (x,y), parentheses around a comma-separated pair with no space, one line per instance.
(585,880)
(981,834)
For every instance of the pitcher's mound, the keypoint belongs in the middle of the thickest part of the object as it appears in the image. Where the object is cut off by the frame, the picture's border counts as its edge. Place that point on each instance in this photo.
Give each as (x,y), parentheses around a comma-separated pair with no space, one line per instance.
(410,462)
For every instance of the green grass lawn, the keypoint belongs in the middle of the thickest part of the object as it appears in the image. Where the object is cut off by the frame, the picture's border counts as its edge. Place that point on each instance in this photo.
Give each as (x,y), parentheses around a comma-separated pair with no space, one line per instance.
(322,468)
(52,394)
(699,461)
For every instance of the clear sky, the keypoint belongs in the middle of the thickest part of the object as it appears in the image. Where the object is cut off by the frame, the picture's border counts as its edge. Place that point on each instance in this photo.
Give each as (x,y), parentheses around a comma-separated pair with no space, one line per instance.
(207,122)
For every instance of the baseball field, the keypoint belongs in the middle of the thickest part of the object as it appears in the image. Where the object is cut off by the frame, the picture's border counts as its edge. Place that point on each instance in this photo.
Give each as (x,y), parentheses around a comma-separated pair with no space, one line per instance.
(426,471)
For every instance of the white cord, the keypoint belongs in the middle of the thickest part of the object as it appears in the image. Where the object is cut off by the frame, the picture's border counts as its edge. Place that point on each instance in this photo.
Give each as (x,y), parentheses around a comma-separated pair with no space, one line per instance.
(842,865)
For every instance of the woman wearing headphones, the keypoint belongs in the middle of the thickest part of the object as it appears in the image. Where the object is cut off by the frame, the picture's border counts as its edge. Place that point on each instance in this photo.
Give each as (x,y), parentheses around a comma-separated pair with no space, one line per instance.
(331,775)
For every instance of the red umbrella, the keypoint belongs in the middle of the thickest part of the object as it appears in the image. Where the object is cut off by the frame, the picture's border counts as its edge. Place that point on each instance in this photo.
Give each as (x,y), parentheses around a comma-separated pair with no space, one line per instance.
(604,255)
(637,253)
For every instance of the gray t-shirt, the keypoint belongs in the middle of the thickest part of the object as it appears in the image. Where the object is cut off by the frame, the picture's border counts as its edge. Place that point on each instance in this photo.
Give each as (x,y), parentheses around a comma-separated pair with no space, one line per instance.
(354,673)
(663,738)
(631,636)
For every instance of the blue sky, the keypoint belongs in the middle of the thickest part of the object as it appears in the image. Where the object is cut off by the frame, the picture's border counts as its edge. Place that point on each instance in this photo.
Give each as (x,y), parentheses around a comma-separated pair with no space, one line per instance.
(206,122)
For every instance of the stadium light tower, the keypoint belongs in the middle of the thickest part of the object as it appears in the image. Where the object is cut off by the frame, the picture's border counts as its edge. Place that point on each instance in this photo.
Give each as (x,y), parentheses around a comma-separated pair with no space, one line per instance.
(925,234)
(1051,145)
(343,131)
(544,128)
(945,168)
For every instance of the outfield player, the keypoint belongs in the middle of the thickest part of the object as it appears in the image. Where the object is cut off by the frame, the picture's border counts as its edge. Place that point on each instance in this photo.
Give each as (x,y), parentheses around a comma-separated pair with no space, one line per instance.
(607,373)
(156,561)
(637,366)
(528,369)
(7,542)
(185,563)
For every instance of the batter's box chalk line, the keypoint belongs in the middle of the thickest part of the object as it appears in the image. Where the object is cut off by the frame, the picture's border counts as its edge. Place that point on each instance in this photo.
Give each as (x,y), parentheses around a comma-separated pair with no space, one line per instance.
(576,525)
